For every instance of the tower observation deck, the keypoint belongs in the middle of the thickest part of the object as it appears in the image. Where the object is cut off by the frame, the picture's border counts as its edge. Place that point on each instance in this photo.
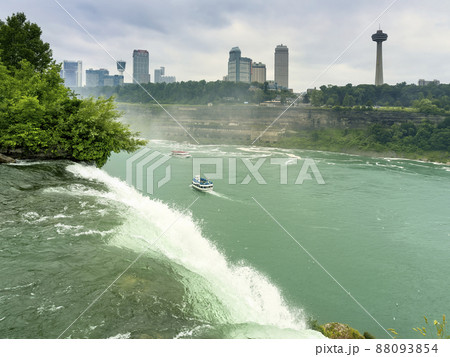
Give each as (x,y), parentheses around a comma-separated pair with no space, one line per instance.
(379,38)
(121,66)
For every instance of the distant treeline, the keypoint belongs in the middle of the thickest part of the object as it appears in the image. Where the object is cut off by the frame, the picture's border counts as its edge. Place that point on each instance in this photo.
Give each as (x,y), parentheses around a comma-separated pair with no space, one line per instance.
(191,92)
(432,98)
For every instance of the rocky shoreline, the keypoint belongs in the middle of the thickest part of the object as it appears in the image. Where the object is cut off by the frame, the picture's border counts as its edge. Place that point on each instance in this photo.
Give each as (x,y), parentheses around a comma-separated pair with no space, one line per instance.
(6,159)
(11,156)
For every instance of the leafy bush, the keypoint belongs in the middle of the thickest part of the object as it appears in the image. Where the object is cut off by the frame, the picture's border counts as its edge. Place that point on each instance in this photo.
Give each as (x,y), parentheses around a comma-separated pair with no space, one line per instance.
(39,116)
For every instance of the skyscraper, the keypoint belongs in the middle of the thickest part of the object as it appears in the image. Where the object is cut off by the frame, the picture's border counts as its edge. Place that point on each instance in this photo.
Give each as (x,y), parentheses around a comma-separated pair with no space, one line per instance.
(141,71)
(71,72)
(233,64)
(113,81)
(282,66)
(379,38)
(239,68)
(96,77)
(259,72)
(158,74)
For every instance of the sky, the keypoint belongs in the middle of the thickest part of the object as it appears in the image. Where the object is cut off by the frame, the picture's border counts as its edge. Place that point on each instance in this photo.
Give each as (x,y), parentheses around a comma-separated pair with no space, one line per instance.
(329,41)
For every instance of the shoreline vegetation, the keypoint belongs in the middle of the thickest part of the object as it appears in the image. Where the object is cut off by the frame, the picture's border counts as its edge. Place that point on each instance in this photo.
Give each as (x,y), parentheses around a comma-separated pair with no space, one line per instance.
(39,116)
(366,142)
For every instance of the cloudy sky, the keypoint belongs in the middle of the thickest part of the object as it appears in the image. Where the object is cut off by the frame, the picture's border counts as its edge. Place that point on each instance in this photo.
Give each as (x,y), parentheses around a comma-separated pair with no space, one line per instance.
(329,40)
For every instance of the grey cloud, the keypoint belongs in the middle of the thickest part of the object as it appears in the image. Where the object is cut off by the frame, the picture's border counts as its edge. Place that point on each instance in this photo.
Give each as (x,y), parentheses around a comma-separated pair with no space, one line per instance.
(194,36)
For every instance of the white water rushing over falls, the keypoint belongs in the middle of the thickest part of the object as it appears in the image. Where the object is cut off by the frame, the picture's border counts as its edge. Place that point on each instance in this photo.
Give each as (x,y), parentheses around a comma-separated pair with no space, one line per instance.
(214,265)
(222,292)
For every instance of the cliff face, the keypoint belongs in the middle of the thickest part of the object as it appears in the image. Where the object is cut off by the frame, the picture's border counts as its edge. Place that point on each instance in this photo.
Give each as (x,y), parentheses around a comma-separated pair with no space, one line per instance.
(241,124)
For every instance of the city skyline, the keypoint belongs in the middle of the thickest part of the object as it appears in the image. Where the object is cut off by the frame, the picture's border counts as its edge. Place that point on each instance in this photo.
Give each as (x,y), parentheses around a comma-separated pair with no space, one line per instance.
(244,70)
(191,38)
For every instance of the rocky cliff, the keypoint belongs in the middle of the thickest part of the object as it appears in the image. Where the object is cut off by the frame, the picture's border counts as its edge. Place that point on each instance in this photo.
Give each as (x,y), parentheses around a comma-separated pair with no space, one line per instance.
(241,124)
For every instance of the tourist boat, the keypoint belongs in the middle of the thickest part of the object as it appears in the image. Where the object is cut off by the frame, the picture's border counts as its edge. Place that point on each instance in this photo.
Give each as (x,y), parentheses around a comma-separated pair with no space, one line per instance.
(178,153)
(202,184)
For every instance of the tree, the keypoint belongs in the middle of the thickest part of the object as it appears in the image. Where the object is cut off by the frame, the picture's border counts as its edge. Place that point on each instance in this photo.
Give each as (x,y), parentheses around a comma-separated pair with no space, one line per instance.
(426,106)
(19,40)
(380,133)
(349,101)
(40,117)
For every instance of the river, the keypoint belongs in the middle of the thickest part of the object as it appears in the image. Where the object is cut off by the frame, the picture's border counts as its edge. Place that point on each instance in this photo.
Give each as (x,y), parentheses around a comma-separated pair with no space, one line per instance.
(286,236)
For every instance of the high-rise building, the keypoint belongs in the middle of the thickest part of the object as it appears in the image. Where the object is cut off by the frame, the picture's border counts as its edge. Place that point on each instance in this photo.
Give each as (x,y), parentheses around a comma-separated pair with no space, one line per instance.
(379,38)
(168,79)
(113,81)
(141,64)
(96,77)
(259,72)
(158,74)
(100,77)
(423,82)
(282,66)
(239,68)
(71,72)
(233,64)
(245,68)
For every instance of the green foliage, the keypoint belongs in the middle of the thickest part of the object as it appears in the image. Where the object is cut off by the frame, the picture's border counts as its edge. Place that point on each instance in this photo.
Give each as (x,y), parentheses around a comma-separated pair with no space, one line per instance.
(335,330)
(426,106)
(430,99)
(21,40)
(380,133)
(425,140)
(92,132)
(39,116)
(394,333)
(191,92)
(438,327)
(314,325)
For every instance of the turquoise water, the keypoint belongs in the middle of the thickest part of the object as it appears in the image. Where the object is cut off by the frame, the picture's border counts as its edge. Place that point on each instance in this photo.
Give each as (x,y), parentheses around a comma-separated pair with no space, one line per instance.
(248,260)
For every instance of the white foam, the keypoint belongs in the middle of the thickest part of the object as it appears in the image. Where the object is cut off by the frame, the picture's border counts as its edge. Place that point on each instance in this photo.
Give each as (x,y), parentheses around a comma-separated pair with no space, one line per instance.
(17,287)
(27,163)
(121,336)
(64,228)
(294,156)
(220,195)
(33,217)
(248,295)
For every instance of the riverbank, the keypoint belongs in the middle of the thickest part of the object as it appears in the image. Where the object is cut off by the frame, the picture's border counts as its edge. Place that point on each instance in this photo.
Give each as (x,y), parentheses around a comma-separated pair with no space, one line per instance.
(301,127)
(4,159)
(356,144)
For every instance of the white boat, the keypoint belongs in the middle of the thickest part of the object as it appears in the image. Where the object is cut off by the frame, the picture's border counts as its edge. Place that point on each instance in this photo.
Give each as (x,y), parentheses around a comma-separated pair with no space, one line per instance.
(202,184)
(178,153)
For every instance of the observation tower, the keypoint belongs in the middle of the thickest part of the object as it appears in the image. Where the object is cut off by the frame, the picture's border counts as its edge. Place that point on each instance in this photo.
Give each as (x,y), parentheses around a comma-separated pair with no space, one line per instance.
(379,38)
(121,66)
